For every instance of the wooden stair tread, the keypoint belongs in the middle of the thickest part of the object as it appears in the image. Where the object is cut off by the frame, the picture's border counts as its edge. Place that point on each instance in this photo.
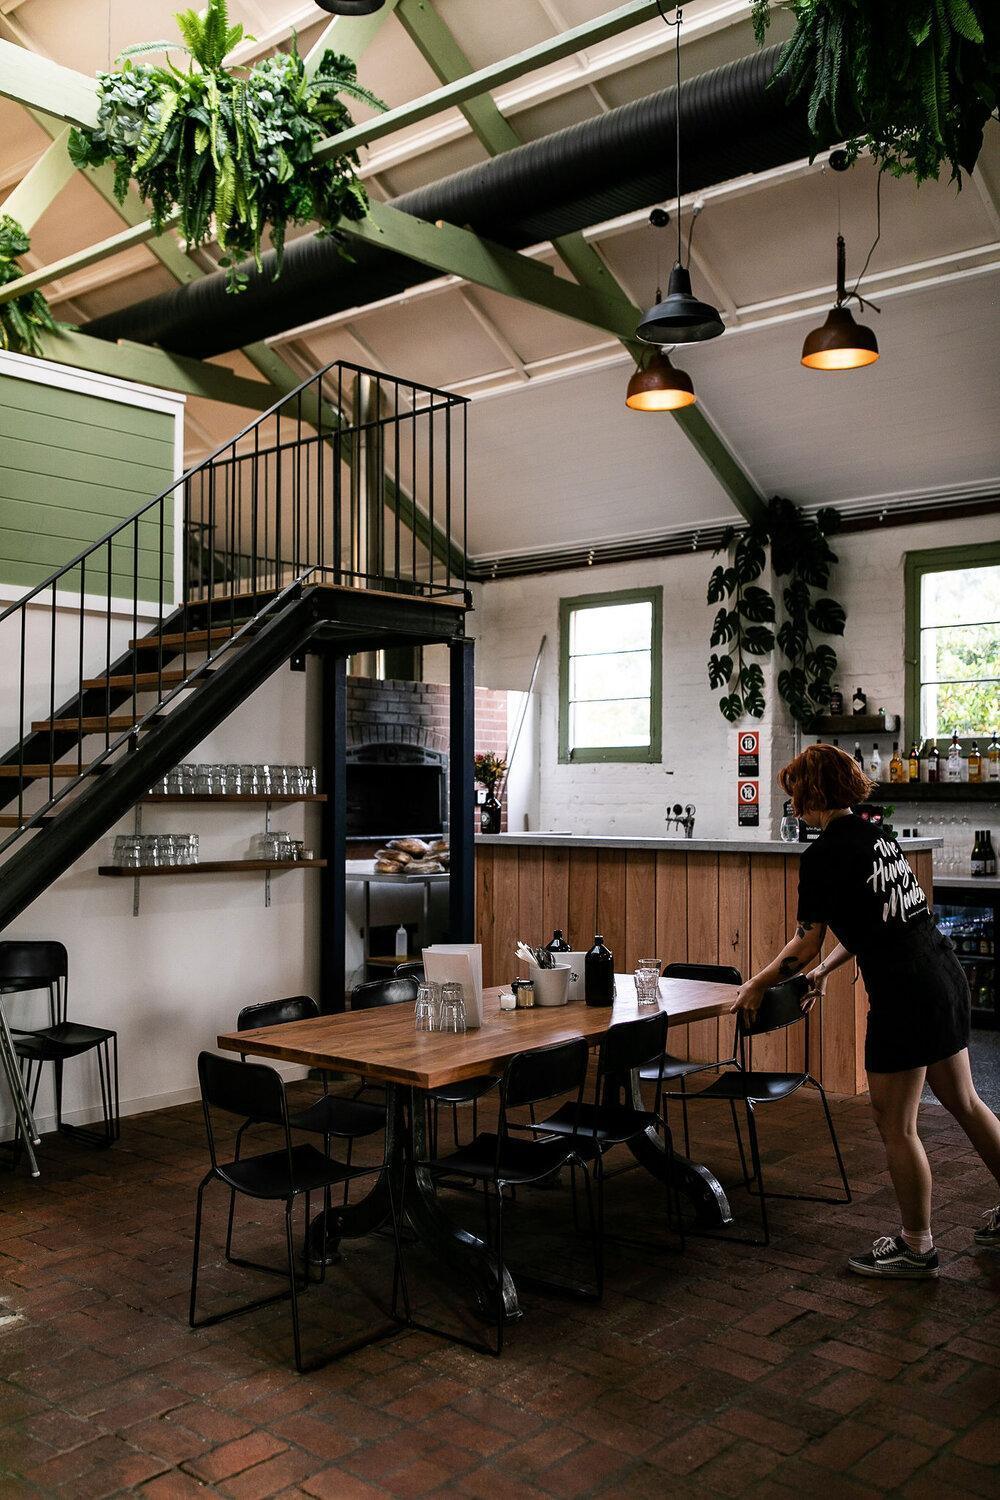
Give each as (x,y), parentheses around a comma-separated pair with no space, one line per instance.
(90,724)
(194,638)
(11,820)
(141,679)
(32,771)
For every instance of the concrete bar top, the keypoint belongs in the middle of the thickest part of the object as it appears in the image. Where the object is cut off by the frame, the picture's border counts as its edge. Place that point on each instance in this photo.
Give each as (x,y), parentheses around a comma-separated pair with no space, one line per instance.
(679,845)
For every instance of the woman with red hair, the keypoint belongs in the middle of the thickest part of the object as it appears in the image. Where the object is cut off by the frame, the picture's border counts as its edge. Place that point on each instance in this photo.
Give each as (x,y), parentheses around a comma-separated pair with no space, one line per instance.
(856,880)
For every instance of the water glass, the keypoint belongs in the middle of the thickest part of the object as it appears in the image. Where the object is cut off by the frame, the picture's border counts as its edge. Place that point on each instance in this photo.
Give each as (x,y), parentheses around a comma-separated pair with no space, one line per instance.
(451,1014)
(426,1009)
(647,981)
(249,781)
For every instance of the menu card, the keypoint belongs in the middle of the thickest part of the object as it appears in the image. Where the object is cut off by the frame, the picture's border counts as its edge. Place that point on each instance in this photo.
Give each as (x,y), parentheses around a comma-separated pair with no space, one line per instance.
(459,963)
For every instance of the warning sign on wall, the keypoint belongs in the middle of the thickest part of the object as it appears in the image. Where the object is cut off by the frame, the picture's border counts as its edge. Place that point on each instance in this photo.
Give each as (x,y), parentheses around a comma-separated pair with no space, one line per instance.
(749,752)
(748,794)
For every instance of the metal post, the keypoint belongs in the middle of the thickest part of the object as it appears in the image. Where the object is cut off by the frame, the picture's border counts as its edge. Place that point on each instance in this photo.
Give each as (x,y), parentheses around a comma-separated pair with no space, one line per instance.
(462,886)
(333,882)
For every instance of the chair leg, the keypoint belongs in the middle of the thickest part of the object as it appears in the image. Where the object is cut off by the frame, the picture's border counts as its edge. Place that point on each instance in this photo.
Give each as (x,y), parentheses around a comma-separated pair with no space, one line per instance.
(758,1174)
(347,1181)
(197,1247)
(684,1115)
(739,1142)
(290,1245)
(677,1207)
(237,1148)
(59,1091)
(501,1310)
(475,1118)
(596,1225)
(117,1107)
(835,1141)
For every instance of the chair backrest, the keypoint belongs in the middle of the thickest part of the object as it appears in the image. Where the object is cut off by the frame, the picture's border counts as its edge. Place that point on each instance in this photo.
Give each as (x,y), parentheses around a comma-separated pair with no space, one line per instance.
(383,992)
(277,1012)
(632,1044)
(31,965)
(711,973)
(780,1007)
(409,971)
(253,1091)
(532,1077)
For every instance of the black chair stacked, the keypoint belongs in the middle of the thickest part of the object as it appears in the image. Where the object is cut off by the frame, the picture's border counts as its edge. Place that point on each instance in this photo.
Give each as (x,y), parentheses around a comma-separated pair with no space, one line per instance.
(254,1092)
(780,1008)
(26,966)
(500,1160)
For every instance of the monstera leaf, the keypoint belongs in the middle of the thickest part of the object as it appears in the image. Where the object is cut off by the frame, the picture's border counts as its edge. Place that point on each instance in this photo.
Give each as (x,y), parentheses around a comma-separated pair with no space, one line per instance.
(756,604)
(828,616)
(720,669)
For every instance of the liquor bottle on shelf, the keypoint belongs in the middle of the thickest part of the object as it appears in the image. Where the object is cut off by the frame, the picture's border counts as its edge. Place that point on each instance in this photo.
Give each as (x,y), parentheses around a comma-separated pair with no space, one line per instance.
(993,759)
(836,704)
(858,756)
(897,772)
(913,763)
(874,767)
(933,764)
(979,854)
(975,764)
(991,856)
(859,703)
(956,764)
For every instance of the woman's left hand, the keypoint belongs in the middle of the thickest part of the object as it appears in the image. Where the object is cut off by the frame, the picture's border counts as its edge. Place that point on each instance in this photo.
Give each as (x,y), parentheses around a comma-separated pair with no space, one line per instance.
(817,989)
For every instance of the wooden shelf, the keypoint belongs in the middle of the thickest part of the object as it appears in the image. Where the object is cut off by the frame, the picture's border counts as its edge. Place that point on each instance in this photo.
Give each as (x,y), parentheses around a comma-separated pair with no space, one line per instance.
(205,798)
(940,791)
(858,724)
(211,867)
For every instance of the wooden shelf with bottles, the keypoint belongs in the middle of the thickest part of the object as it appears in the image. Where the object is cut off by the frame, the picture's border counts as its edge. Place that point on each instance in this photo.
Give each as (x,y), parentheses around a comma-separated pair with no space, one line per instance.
(939,791)
(860,725)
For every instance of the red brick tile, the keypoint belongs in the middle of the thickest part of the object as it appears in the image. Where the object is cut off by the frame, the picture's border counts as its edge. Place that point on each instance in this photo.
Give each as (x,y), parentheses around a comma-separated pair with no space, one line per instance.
(173,1486)
(892,1462)
(982,1444)
(843,1445)
(688,1452)
(764,1430)
(336,1484)
(233,1457)
(859,1359)
(270,1477)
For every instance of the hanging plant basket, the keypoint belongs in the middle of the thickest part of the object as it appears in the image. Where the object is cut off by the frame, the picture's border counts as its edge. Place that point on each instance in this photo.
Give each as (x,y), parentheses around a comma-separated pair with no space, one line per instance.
(232,151)
(23,319)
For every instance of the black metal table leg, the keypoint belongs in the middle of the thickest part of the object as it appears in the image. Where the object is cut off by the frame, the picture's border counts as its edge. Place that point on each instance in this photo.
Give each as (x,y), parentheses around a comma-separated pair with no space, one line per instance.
(699,1185)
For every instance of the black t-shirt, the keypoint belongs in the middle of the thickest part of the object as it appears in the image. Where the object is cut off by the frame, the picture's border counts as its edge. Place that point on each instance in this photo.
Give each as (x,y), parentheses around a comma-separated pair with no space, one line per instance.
(857,880)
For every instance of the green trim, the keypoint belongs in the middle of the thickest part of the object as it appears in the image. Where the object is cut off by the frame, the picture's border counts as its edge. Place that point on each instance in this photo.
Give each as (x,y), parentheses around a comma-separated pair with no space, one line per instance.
(643,754)
(40,83)
(916,564)
(137,234)
(42,184)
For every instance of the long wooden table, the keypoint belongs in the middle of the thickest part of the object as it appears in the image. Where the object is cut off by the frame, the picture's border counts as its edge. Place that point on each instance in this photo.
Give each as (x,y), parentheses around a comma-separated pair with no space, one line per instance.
(382,1045)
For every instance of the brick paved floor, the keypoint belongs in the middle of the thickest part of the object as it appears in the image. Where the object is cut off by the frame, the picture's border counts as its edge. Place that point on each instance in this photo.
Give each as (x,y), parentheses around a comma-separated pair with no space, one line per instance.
(726,1371)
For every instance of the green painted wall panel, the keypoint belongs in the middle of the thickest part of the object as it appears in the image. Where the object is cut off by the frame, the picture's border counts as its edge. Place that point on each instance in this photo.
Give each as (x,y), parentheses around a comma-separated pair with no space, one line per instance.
(72,466)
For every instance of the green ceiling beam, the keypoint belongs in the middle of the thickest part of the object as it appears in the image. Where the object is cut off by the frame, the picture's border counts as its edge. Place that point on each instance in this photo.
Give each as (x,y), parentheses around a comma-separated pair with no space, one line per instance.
(441,51)
(149,366)
(42,84)
(41,184)
(350,35)
(139,234)
(577,39)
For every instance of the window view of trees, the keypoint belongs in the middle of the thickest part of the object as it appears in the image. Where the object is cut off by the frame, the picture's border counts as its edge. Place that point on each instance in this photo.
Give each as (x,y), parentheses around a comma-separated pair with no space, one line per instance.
(960,652)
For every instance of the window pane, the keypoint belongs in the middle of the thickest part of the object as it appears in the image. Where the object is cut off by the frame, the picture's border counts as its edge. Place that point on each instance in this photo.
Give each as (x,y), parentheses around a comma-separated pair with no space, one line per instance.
(611,627)
(621,674)
(965,652)
(968,709)
(959,595)
(609,724)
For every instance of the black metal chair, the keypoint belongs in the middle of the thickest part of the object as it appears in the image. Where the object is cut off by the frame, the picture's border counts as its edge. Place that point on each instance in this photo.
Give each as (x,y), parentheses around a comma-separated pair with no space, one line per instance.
(780,1008)
(606,1123)
(683,1068)
(329,1115)
(412,970)
(26,966)
(255,1092)
(499,1160)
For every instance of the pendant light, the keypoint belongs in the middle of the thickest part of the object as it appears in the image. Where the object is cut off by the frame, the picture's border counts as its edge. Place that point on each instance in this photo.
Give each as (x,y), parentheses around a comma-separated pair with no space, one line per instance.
(679,318)
(840,344)
(660,386)
(351,7)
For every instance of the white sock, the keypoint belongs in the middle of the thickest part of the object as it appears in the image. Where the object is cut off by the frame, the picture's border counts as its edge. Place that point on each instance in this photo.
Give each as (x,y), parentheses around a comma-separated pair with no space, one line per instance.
(919,1240)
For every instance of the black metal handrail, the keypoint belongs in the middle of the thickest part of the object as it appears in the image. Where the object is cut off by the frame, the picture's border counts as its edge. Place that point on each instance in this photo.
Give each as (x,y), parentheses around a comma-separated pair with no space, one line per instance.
(354,478)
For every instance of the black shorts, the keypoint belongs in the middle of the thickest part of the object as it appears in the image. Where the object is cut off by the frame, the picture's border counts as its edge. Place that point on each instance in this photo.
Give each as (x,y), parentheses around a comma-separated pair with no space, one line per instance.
(919,1002)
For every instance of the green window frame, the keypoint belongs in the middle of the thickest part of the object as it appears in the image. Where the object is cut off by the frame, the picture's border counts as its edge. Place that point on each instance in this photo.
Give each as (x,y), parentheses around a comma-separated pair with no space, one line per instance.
(643,754)
(917,565)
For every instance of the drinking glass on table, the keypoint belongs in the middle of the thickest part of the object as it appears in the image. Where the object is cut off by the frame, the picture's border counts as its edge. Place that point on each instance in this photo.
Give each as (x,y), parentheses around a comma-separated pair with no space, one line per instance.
(451,1014)
(426,1009)
(647,981)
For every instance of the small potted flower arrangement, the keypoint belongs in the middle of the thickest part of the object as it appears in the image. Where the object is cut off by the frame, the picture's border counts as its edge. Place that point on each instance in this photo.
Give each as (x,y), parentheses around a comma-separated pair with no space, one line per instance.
(489,770)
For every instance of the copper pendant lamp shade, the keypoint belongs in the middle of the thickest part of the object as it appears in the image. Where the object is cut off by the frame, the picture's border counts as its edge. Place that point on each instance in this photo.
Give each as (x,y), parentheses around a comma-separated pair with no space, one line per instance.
(351,7)
(660,387)
(680,318)
(840,344)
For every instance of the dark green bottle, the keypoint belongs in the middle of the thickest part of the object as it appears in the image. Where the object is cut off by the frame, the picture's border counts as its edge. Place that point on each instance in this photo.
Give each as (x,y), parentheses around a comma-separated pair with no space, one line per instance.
(557,943)
(599,974)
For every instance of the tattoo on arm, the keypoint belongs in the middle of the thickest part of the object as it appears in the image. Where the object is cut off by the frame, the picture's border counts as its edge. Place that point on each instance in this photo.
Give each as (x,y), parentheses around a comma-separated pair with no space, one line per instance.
(789,966)
(803,928)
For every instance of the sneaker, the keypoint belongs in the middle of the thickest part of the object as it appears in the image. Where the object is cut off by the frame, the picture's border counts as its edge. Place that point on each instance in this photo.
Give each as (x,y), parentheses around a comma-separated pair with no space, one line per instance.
(892,1256)
(989,1235)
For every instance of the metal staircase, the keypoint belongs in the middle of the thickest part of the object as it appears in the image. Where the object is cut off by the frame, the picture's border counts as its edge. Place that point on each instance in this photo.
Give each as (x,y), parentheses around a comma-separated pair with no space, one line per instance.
(334,521)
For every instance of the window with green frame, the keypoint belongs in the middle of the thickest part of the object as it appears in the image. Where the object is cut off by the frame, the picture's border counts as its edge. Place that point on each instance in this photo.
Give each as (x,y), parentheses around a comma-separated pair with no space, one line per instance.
(610,674)
(953,642)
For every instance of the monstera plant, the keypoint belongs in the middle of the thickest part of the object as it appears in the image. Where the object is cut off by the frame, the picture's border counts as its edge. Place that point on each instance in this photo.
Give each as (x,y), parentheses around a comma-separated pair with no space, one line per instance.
(913,81)
(749,624)
(22,319)
(233,152)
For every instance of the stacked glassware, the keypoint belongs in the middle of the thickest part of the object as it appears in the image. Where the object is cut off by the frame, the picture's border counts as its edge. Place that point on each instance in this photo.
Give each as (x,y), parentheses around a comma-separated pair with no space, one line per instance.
(219,780)
(277,846)
(143,851)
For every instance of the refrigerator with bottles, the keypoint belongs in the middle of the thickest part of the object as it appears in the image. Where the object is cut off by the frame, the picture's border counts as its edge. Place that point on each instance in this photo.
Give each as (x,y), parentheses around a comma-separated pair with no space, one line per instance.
(968,910)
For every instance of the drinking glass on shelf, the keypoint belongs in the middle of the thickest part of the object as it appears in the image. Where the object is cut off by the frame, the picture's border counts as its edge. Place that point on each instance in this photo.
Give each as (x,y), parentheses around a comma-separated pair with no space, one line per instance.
(249,781)
(193,849)
(425,1012)
(204,780)
(647,981)
(130,854)
(174,782)
(451,1014)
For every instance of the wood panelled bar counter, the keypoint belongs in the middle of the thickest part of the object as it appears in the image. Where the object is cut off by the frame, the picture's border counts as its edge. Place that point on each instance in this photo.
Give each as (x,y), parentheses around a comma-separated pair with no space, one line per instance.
(681,901)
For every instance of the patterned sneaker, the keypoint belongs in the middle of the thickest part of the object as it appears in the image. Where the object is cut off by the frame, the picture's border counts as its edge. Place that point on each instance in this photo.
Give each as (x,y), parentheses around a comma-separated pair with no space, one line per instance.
(892,1256)
(989,1235)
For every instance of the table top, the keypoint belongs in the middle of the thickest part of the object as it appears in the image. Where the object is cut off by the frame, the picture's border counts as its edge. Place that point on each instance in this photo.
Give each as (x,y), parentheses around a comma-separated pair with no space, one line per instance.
(382,1044)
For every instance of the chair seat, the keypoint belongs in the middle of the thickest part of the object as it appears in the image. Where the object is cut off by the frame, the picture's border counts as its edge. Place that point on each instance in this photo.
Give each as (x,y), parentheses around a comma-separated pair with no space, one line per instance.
(757,1087)
(53,1043)
(267,1175)
(519,1161)
(608,1124)
(676,1067)
(465,1090)
(331,1114)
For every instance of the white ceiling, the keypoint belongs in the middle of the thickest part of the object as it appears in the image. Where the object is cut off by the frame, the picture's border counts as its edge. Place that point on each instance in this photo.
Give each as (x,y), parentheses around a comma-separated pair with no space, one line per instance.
(555,454)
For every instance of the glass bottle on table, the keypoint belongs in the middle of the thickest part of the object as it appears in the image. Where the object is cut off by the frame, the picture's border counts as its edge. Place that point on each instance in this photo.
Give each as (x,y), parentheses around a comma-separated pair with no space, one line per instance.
(557,943)
(599,974)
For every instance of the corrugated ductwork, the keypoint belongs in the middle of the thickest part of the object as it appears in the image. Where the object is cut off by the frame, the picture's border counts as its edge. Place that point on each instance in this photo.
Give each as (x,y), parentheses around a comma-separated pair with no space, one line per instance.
(732,123)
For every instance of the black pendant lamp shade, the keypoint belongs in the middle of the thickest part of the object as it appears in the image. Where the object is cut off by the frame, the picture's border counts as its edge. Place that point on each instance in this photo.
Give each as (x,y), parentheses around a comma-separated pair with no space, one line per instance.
(351,7)
(660,387)
(680,318)
(840,344)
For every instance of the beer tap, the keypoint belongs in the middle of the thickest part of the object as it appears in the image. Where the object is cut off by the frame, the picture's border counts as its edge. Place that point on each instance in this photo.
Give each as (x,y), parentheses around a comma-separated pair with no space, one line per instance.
(682,817)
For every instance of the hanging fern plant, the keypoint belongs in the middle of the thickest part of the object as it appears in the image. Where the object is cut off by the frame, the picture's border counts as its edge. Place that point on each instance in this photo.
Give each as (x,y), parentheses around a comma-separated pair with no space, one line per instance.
(914,81)
(234,154)
(22,319)
(747,625)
